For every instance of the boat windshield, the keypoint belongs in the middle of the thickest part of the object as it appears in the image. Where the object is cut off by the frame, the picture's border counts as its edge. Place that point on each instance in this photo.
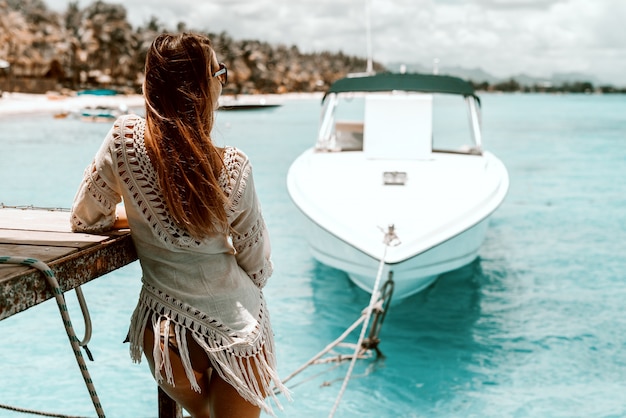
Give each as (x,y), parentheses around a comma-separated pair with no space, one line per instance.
(450,121)
(452,129)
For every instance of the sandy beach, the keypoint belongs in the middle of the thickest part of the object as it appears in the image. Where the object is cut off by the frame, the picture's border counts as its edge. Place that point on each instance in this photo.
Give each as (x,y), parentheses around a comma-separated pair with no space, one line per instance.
(25,103)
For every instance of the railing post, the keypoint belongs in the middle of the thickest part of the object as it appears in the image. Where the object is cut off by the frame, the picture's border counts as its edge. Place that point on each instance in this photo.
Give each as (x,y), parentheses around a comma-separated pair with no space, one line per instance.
(168,408)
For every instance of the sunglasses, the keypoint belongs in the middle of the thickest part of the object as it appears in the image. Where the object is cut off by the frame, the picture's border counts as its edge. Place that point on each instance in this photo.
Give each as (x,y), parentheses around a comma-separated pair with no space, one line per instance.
(222,71)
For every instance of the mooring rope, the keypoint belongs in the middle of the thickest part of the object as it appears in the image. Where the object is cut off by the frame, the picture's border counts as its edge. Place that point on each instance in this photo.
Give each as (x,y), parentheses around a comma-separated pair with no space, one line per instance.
(379,302)
(33,412)
(76,344)
(374,300)
(326,349)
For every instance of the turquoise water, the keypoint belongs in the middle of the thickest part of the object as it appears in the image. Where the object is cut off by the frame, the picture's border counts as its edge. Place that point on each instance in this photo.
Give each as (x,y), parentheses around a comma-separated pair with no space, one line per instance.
(534,328)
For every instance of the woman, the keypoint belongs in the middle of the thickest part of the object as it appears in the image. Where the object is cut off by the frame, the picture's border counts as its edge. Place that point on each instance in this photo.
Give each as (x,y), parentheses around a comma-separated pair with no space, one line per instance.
(196,222)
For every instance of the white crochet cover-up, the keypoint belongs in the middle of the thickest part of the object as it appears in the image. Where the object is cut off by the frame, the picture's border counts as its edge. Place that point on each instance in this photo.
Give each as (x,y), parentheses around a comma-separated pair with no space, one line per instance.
(210,290)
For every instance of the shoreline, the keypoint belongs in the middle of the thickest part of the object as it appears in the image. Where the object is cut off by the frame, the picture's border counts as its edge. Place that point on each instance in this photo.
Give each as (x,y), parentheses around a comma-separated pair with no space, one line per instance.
(13,104)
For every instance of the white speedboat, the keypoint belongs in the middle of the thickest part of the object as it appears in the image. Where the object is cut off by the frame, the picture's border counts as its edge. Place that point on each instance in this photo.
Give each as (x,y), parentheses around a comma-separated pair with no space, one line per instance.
(398,181)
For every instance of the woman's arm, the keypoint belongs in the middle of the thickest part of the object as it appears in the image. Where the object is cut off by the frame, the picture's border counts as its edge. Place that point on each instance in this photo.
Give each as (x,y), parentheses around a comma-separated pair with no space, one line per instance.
(94,206)
(250,236)
(121,220)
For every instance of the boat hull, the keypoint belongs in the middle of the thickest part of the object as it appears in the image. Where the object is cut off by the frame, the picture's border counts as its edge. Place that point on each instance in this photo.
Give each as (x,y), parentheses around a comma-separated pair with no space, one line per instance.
(411,275)
(440,215)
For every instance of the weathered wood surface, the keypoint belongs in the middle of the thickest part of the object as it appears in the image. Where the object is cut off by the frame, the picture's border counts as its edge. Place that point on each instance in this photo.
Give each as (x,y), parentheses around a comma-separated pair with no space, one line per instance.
(45,235)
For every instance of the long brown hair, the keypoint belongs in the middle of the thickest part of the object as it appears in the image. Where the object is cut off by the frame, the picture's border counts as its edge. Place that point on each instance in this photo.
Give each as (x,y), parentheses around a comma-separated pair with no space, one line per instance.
(179,116)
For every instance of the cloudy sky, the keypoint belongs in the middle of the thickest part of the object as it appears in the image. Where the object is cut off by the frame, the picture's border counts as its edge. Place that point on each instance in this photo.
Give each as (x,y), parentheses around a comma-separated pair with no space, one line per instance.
(503,37)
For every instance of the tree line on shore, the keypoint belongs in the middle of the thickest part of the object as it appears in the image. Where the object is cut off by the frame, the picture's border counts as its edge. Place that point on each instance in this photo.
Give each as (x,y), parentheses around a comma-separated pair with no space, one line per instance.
(96,47)
(512,85)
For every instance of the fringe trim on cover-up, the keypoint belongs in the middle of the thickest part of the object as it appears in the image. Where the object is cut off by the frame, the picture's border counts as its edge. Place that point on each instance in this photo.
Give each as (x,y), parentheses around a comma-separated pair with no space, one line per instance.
(233,355)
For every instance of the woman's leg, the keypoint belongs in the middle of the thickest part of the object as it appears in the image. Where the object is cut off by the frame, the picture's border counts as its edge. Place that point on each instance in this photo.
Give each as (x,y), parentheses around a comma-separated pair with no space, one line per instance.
(217,399)
(197,404)
(227,403)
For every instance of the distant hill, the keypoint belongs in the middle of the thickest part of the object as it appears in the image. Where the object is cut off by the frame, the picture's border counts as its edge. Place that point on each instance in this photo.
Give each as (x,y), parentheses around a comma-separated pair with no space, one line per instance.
(478,75)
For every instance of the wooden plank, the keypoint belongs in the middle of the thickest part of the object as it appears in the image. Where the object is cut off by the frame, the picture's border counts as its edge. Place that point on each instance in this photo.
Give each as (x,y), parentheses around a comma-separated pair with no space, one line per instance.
(41,253)
(58,239)
(35,219)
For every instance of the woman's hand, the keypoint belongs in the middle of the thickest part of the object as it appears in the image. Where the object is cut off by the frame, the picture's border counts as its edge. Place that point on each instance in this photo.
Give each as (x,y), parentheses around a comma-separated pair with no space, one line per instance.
(121,220)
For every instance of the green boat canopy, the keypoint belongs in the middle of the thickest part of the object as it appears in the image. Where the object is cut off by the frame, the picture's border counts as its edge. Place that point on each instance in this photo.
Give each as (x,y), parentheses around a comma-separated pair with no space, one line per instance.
(425,83)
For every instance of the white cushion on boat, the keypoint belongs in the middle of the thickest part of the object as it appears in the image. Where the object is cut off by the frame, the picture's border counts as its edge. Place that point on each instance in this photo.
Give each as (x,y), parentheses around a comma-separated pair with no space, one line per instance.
(398,126)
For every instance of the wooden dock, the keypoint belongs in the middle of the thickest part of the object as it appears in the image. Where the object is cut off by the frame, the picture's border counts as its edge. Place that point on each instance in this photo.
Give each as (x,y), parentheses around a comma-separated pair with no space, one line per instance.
(46,236)
(75,258)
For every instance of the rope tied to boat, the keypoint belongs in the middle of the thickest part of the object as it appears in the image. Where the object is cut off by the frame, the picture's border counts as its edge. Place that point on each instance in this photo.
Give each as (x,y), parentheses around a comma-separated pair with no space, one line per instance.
(390,239)
(377,308)
(74,341)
